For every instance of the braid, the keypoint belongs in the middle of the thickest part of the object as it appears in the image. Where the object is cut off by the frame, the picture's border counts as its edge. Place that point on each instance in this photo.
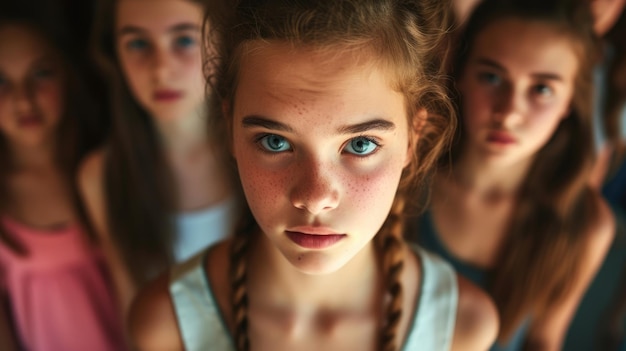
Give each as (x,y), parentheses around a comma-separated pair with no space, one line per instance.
(390,248)
(238,281)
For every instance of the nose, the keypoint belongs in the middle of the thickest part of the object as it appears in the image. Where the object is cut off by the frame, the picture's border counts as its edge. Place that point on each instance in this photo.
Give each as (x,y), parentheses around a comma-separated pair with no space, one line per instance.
(162,65)
(23,99)
(509,107)
(315,187)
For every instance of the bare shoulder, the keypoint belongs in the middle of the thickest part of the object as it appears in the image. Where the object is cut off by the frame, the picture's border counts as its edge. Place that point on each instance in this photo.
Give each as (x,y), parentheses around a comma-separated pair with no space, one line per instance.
(477,321)
(90,181)
(601,232)
(152,319)
(602,229)
(91,170)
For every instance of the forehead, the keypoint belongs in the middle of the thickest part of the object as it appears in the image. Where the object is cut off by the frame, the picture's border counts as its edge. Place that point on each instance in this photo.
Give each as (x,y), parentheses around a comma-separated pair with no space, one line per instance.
(277,80)
(309,71)
(156,15)
(20,46)
(527,46)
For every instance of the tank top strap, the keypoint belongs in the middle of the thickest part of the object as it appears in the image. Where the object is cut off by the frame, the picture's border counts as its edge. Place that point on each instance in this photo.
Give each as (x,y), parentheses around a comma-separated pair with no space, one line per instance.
(435,315)
(199,319)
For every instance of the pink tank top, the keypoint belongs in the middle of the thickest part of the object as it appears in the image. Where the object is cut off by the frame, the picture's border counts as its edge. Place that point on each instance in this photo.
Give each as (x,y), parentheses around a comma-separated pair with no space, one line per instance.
(60,294)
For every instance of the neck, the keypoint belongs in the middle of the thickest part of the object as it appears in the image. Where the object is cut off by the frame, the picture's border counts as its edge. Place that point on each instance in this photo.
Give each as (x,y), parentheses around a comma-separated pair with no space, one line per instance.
(180,135)
(276,283)
(33,157)
(490,175)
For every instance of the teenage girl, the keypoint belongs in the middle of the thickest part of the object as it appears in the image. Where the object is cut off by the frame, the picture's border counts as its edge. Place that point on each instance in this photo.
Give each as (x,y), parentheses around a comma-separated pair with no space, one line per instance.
(156,192)
(55,293)
(511,206)
(332,111)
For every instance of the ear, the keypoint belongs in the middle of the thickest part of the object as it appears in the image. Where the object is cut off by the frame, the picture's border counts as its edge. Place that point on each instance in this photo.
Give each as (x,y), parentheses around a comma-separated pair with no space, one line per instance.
(416,126)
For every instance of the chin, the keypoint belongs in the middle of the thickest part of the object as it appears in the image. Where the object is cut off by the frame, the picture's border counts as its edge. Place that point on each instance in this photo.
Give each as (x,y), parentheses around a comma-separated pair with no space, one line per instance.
(317,263)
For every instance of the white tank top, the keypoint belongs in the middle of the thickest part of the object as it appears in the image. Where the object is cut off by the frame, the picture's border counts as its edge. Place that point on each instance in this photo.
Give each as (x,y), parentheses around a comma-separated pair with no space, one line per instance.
(195,231)
(202,327)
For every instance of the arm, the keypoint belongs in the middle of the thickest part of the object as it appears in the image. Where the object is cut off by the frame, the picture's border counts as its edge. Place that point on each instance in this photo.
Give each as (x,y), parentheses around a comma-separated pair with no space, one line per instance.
(477,321)
(8,341)
(152,319)
(548,332)
(91,187)
(601,167)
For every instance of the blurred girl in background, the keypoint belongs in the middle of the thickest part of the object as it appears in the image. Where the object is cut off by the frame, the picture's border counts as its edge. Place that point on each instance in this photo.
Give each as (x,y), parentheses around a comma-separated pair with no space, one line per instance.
(511,205)
(55,291)
(156,192)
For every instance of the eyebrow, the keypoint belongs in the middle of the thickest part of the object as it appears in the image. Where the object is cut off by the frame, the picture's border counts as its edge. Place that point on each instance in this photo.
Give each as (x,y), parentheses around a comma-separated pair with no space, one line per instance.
(540,75)
(175,28)
(375,124)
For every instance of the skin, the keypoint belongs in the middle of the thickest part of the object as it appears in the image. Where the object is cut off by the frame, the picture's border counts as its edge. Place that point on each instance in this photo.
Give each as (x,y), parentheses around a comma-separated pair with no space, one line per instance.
(308,105)
(606,13)
(318,180)
(463,9)
(521,89)
(513,91)
(158,46)
(32,88)
(159,49)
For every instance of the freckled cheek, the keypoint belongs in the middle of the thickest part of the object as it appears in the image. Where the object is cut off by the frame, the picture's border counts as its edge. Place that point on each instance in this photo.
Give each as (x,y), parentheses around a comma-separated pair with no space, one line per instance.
(373,192)
(263,187)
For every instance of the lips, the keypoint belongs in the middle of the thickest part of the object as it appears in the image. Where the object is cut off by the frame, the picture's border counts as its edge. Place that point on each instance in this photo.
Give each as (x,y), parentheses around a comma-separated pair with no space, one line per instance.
(499,137)
(29,120)
(314,237)
(166,95)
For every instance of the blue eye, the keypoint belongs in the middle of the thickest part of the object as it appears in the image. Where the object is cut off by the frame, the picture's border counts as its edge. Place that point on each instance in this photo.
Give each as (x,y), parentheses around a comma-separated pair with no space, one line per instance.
(137,44)
(184,41)
(490,78)
(543,90)
(274,143)
(361,146)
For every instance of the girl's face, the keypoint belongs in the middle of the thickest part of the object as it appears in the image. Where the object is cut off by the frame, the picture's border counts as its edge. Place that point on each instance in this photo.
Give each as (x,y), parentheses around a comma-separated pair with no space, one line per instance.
(158,46)
(320,143)
(31,87)
(516,88)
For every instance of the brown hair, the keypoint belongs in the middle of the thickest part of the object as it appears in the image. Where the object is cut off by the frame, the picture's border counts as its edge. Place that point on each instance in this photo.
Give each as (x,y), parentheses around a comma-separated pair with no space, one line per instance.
(78,131)
(138,182)
(407,36)
(554,205)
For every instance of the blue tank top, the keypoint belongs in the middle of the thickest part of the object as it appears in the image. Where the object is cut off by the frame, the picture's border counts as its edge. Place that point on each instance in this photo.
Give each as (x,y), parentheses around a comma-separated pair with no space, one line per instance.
(429,239)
